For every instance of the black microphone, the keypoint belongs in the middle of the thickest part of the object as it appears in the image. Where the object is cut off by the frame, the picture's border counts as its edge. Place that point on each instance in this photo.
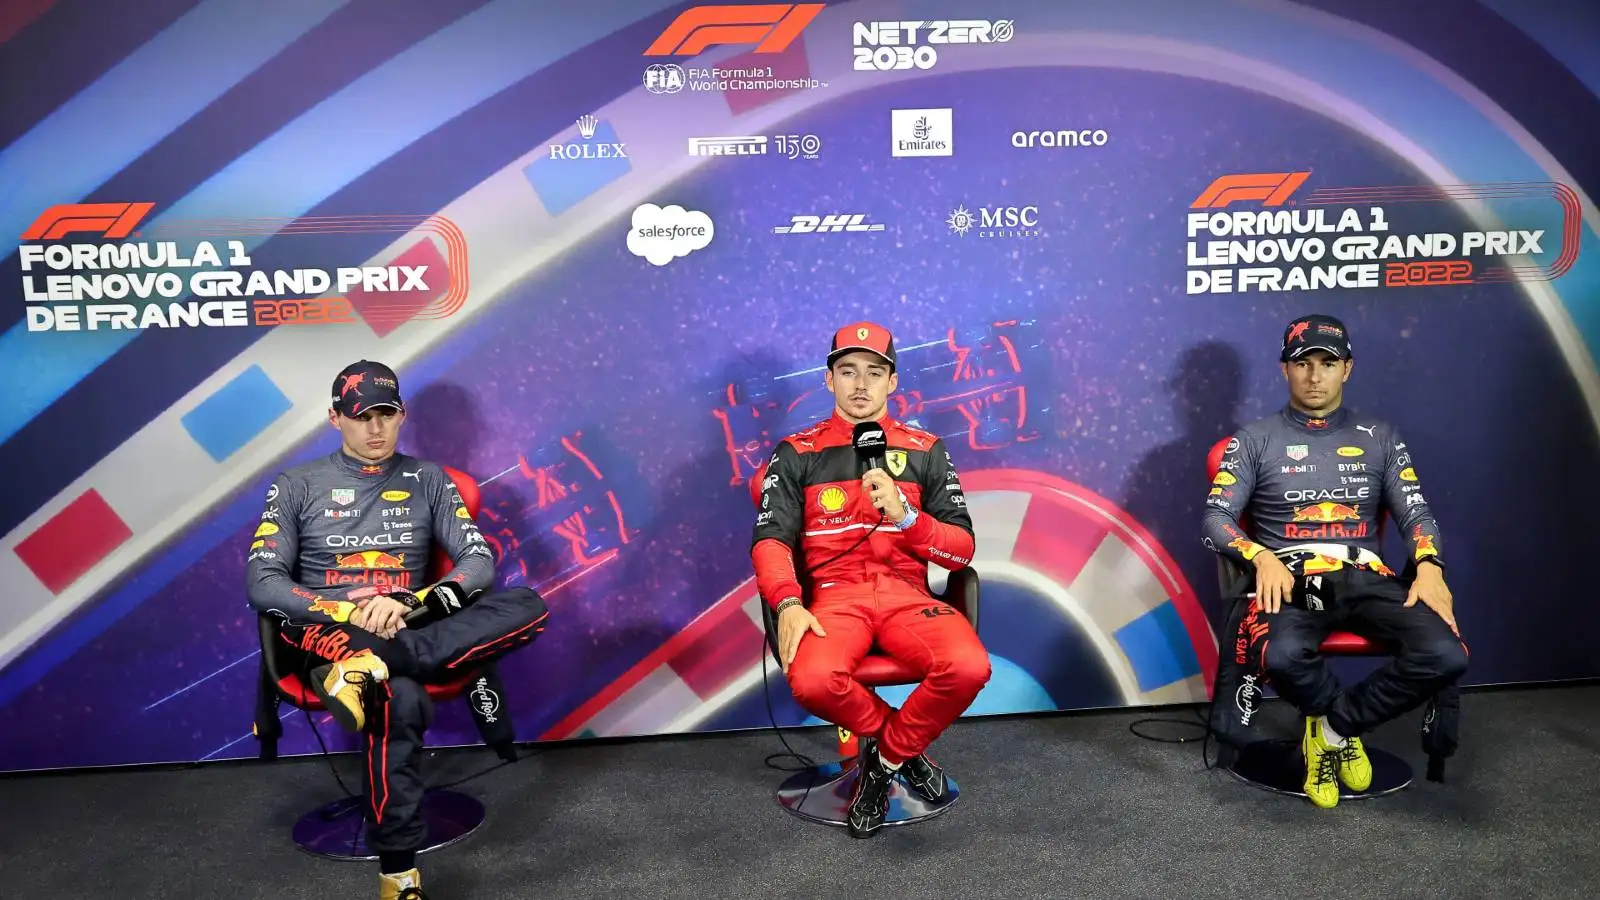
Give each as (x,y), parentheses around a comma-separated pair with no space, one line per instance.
(443,599)
(871,446)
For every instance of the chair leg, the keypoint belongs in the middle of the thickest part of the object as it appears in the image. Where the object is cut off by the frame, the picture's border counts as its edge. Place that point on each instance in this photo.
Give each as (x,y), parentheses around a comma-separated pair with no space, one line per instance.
(1277,765)
(338,830)
(822,793)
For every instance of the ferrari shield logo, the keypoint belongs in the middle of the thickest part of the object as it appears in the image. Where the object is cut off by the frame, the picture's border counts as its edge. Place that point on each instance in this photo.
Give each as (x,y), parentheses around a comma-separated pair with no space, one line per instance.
(897,462)
(1298,452)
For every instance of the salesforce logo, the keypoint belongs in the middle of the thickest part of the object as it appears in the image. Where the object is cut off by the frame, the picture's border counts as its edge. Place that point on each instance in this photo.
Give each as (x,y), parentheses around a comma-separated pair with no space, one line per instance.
(661,234)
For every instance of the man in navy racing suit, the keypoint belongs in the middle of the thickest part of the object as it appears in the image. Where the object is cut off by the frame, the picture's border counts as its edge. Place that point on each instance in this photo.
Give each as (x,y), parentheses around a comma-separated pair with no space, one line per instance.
(340,557)
(1315,480)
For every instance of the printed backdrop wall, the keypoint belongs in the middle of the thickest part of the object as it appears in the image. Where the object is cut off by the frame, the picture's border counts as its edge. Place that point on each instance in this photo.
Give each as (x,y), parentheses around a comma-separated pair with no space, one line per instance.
(605,246)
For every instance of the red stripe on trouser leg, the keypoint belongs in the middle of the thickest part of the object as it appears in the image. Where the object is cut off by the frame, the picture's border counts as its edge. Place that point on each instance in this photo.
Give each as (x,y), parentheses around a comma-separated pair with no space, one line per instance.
(500,644)
(822,674)
(932,637)
(378,751)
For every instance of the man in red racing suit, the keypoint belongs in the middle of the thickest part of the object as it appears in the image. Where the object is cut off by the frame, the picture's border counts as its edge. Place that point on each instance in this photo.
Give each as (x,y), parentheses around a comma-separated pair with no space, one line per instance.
(861,542)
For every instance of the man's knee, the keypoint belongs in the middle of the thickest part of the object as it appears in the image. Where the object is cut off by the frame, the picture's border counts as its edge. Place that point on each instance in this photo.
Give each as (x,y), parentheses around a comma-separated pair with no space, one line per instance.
(819,686)
(1442,658)
(527,601)
(403,701)
(1286,656)
(965,672)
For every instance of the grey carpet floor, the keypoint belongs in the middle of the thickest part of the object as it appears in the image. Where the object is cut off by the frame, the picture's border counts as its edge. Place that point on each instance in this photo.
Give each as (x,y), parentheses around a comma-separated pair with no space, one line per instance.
(1059,806)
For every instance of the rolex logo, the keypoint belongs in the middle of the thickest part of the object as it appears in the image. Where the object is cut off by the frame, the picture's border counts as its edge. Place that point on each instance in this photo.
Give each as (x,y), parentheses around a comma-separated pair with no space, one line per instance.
(605,148)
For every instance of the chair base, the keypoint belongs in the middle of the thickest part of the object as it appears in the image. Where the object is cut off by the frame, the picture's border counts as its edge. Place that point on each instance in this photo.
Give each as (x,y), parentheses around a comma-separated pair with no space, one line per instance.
(1277,766)
(822,794)
(338,830)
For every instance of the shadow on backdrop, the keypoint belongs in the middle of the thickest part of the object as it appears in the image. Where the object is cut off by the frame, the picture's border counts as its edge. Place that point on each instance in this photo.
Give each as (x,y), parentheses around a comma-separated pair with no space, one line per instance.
(1166,491)
(443,426)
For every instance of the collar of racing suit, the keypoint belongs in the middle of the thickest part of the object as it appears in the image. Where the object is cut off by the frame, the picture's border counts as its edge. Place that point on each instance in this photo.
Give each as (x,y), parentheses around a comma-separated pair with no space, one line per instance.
(838,422)
(1315,423)
(365,470)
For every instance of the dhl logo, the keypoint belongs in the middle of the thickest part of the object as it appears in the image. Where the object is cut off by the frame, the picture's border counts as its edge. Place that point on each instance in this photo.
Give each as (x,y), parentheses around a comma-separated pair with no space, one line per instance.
(395,496)
(265,529)
(1224,478)
(1351,451)
(832,499)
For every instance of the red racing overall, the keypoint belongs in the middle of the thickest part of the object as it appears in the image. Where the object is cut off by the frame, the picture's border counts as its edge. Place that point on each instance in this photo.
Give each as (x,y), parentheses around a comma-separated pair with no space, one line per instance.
(869,586)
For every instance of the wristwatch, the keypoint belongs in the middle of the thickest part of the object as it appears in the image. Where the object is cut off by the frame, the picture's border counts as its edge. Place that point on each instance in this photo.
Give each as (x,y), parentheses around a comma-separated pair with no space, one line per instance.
(909,520)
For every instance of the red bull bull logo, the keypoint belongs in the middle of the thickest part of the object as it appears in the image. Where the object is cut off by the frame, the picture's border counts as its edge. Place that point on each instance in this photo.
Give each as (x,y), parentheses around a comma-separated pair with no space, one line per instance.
(373,567)
(1425,545)
(1319,564)
(330,607)
(1246,547)
(1332,517)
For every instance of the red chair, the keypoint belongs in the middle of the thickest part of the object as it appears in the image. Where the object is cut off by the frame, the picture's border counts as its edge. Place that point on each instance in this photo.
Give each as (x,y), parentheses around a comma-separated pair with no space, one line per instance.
(337,830)
(1276,764)
(822,793)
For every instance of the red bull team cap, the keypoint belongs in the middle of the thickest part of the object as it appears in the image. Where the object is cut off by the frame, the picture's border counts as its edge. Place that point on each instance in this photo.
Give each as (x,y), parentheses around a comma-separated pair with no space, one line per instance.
(364,385)
(1315,332)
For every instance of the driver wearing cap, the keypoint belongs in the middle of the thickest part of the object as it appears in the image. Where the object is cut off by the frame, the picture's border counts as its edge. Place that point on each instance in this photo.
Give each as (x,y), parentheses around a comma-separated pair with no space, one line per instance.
(1299,500)
(340,558)
(841,552)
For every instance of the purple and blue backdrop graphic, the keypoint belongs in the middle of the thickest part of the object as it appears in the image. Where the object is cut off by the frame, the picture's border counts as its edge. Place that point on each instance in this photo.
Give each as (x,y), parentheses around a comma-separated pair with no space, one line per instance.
(614,407)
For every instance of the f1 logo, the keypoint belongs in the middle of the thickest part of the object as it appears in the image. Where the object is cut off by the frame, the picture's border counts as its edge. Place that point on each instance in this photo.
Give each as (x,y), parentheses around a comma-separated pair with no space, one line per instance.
(1272,189)
(933,612)
(772,27)
(114,221)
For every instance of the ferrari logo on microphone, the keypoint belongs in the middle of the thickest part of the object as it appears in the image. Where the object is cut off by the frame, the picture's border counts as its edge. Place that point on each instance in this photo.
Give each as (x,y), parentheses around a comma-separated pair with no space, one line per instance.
(897,462)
